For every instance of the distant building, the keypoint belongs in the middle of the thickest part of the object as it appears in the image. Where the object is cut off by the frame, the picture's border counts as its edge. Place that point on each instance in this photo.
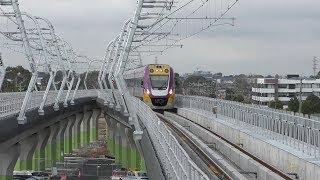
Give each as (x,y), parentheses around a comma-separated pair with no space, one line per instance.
(226,80)
(206,74)
(268,89)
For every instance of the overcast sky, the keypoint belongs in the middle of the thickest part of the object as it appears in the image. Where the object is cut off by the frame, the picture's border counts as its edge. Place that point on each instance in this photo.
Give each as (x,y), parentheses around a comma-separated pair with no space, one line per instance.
(269,37)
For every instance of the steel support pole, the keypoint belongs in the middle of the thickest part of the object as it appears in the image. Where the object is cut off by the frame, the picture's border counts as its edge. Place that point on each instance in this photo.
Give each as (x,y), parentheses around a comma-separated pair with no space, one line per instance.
(75,90)
(123,60)
(66,75)
(65,104)
(43,45)
(56,104)
(44,98)
(100,75)
(113,65)
(103,70)
(110,64)
(33,66)
(53,83)
(60,60)
(54,39)
(118,66)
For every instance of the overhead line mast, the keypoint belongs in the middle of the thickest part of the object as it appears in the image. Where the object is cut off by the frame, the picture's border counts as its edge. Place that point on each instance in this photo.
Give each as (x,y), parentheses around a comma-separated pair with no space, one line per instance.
(2,72)
(315,66)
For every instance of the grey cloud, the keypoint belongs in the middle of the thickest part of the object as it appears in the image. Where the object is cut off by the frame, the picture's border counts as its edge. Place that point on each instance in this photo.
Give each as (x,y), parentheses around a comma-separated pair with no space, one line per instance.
(269,36)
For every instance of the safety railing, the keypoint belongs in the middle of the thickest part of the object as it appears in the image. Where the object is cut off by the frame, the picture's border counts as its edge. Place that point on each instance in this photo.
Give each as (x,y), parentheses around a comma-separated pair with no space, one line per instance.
(272,111)
(298,132)
(266,108)
(175,161)
(10,103)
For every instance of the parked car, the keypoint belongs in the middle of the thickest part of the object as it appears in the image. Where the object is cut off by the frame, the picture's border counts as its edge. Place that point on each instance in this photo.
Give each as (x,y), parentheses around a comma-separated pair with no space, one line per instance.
(17,175)
(37,178)
(119,174)
(21,177)
(140,175)
(135,175)
(130,176)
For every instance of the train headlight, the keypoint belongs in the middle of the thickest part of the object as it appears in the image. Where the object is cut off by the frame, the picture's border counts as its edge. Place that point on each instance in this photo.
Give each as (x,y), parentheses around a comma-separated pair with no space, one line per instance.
(148,92)
(170,91)
(151,71)
(166,70)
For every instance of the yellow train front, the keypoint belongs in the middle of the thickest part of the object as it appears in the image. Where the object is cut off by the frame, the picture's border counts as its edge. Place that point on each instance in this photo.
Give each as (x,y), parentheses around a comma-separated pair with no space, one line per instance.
(154,84)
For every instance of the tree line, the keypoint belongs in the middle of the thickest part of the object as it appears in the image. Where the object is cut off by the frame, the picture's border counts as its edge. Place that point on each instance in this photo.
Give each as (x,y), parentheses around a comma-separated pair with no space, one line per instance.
(17,80)
(310,106)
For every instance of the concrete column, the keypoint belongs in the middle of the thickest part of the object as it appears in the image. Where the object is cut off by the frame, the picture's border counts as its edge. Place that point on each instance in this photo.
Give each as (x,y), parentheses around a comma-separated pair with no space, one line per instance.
(85,128)
(125,147)
(77,131)
(136,161)
(8,159)
(60,139)
(118,142)
(94,125)
(131,148)
(39,155)
(28,146)
(68,138)
(122,144)
(51,148)
(111,125)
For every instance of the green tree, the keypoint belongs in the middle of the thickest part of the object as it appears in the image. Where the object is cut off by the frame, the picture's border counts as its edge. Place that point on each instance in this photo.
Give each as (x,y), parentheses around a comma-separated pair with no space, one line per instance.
(276,104)
(230,94)
(239,98)
(16,79)
(293,104)
(271,104)
(178,83)
(311,105)
(306,107)
(199,86)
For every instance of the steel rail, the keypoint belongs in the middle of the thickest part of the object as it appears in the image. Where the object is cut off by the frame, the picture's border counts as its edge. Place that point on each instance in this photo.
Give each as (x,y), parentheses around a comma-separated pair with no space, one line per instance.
(260,161)
(213,166)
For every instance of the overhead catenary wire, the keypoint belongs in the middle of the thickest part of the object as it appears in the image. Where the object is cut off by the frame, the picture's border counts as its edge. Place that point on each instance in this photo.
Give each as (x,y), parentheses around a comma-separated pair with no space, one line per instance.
(153,36)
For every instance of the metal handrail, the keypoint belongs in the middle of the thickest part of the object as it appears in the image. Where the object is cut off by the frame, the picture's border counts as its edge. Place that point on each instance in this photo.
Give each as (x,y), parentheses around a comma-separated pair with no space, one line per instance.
(177,164)
(10,103)
(297,132)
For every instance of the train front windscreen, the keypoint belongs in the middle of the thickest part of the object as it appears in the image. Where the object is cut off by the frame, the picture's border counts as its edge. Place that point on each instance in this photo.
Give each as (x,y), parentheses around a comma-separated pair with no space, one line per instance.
(159,82)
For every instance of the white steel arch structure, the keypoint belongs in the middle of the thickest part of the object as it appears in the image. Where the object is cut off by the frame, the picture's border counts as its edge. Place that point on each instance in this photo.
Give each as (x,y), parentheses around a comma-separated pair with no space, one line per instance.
(153,23)
(45,51)
(156,26)
(150,32)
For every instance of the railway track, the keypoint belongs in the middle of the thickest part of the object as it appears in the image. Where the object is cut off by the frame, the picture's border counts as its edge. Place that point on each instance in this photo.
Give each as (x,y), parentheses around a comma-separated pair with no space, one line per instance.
(212,166)
(260,161)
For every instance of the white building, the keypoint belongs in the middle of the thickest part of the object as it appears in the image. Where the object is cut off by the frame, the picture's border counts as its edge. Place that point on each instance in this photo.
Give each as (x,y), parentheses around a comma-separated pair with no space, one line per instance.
(268,89)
